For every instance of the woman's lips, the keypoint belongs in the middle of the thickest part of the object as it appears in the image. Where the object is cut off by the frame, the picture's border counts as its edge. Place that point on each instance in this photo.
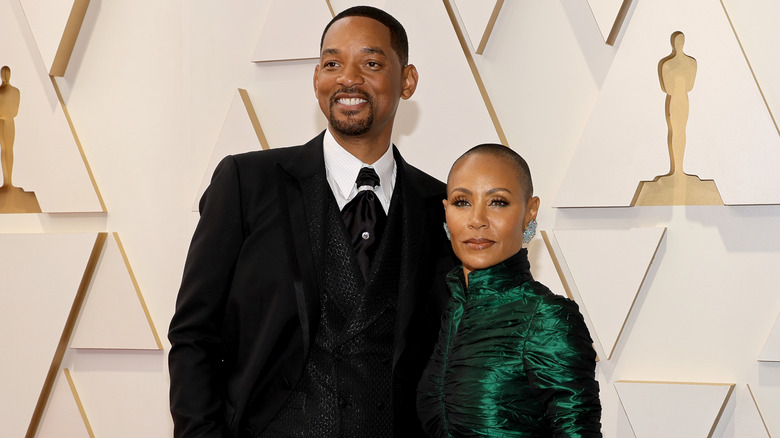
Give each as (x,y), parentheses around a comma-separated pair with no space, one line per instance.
(478,243)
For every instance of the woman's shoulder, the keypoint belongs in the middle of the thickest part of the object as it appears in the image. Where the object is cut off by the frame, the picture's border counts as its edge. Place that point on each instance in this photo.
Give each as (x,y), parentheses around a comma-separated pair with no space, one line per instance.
(551,306)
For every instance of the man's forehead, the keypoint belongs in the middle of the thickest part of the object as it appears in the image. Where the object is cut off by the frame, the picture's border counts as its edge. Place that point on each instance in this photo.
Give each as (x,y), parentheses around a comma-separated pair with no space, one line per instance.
(365,50)
(351,24)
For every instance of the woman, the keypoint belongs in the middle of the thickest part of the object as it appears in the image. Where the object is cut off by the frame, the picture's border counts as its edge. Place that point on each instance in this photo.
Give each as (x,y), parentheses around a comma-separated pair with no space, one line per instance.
(513,359)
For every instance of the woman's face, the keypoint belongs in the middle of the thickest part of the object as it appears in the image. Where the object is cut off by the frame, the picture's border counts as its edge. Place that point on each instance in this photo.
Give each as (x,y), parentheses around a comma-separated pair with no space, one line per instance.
(486,211)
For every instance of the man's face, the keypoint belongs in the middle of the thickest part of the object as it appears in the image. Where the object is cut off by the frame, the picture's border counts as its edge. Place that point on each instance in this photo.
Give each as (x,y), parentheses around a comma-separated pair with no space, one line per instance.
(359,79)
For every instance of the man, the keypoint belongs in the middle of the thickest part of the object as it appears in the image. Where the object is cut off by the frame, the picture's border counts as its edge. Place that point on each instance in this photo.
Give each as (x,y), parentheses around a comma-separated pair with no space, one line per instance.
(287,325)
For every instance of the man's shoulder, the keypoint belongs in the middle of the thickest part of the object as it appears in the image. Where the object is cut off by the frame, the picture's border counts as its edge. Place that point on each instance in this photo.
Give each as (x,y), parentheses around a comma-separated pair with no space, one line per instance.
(280,155)
(423,182)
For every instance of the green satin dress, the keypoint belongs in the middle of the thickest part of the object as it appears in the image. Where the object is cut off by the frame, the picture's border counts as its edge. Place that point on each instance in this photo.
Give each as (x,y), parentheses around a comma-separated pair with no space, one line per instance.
(513,360)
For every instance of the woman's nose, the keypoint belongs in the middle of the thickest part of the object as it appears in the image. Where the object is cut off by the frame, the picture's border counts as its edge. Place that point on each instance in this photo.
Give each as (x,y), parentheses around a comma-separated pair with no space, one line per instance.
(478,218)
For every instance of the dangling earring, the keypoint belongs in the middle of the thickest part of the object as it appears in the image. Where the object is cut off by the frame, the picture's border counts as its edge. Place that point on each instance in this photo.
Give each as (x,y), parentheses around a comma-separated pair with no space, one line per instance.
(447,230)
(530,231)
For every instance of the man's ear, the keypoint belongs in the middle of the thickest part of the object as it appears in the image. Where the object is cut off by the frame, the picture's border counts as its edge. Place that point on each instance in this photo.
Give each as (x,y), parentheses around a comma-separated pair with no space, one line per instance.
(410,79)
(315,79)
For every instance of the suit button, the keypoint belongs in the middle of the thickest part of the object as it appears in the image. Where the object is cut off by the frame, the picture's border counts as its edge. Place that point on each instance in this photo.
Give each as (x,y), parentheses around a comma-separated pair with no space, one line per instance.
(343,402)
(338,356)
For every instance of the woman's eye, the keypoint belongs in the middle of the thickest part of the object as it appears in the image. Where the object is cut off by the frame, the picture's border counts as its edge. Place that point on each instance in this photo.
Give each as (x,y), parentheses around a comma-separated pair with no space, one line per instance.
(499,202)
(460,203)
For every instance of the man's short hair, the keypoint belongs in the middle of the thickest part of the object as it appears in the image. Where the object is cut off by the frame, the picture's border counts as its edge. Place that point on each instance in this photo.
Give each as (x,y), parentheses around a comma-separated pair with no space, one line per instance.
(505,153)
(398,40)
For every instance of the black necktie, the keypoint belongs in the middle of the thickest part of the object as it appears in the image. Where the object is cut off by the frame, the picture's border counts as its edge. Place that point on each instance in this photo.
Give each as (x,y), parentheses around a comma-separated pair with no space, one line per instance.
(365,219)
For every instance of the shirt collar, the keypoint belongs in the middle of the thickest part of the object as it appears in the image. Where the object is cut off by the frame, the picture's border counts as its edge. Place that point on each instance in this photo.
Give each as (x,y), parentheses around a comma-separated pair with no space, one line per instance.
(343,167)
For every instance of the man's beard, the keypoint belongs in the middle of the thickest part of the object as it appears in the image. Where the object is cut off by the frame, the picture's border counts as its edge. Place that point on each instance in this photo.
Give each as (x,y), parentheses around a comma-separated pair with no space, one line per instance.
(351,126)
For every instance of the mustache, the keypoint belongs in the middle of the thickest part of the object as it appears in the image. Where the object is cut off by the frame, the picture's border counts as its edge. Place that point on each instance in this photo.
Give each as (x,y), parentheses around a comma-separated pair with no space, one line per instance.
(350,90)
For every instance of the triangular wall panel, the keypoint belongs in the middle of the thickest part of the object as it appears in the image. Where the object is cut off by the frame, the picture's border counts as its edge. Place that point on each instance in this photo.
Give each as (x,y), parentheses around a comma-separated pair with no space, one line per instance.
(47,158)
(55,25)
(609,15)
(114,314)
(478,17)
(625,140)
(543,266)
(241,132)
(771,350)
(65,417)
(41,275)
(623,256)
(673,410)
(274,43)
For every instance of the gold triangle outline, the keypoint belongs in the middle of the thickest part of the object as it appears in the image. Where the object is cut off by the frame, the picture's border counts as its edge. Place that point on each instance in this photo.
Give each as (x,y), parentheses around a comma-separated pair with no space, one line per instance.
(69,36)
(566,286)
(758,408)
(67,332)
(717,417)
(138,291)
(78,144)
(475,71)
(79,404)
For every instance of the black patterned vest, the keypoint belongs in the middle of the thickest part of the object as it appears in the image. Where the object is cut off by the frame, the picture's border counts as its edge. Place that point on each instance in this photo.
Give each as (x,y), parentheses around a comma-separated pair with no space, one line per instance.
(346,387)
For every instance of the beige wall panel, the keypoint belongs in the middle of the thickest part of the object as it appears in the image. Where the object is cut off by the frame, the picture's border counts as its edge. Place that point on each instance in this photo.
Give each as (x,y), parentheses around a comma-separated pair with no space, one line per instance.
(609,15)
(673,410)
(543,266)
(771,350)
(755,21)
(55,25)
(40,275)
(623,256)
(625,139)
(63,416)
(285,20)
(114,315)
(237,136)
(741,416)
(766,398)
(121,392)
(543,88)
(478,17)
(47,159)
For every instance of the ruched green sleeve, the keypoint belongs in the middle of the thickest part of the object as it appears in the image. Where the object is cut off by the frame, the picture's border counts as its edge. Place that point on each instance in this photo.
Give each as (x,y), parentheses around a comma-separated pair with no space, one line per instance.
(560,365)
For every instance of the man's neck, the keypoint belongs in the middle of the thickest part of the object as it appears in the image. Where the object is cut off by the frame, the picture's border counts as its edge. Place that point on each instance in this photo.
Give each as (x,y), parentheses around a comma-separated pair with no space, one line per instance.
(366,148)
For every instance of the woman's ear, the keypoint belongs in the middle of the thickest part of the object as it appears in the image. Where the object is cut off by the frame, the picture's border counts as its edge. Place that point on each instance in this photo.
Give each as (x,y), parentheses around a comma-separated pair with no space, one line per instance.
(531,210)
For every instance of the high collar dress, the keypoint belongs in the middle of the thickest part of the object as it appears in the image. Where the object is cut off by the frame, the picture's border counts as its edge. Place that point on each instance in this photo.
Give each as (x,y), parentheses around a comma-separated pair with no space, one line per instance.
(512,360)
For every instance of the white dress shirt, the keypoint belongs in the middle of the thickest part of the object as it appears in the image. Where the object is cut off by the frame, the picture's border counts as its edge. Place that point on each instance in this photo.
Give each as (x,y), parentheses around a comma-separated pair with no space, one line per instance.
(342,168)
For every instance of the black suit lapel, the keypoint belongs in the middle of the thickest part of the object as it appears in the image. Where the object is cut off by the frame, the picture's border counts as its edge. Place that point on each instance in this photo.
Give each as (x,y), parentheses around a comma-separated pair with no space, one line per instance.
(304,197)
(416,214)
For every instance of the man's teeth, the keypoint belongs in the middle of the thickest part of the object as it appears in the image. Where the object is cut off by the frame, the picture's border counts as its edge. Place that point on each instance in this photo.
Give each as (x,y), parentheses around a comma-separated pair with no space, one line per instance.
(351,101)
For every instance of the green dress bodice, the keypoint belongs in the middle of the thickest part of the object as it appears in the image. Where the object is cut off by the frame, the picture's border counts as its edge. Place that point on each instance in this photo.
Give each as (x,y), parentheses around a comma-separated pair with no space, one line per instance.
(512,360)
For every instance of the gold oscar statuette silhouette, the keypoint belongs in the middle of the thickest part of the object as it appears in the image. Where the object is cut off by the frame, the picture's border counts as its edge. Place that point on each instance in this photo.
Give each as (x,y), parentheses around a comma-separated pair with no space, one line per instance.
(12,199)
(677,73)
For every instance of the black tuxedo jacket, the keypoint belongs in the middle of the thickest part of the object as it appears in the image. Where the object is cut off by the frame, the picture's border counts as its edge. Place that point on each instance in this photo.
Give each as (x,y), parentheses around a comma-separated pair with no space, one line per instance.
(249,298)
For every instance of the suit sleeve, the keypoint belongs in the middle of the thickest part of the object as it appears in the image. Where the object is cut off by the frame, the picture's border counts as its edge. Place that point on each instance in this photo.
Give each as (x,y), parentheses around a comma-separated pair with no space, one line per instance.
(196,360)
(560,363)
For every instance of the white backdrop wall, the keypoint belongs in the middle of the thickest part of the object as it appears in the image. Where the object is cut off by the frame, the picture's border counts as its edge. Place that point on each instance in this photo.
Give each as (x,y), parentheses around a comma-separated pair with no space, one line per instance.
(150,84)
